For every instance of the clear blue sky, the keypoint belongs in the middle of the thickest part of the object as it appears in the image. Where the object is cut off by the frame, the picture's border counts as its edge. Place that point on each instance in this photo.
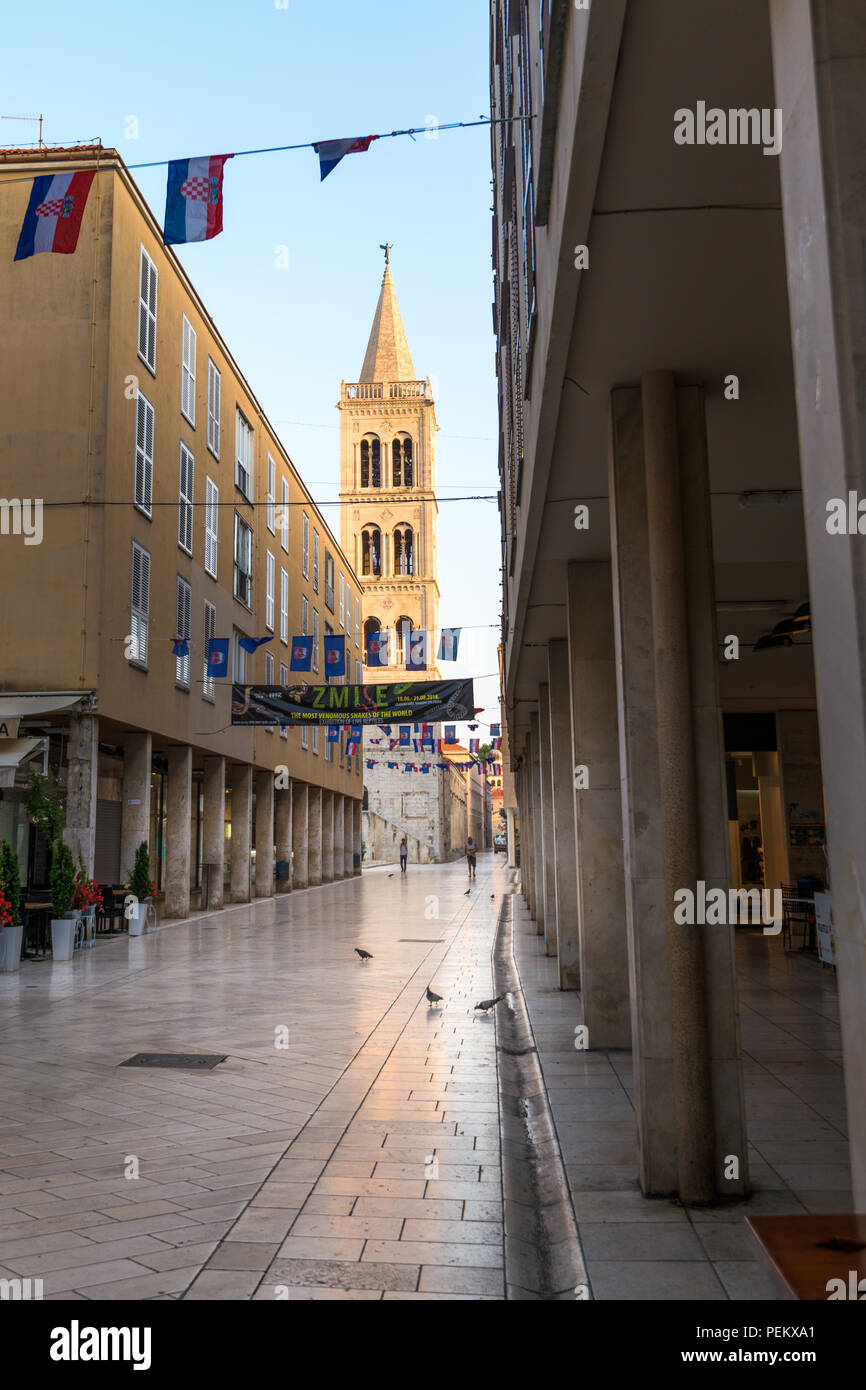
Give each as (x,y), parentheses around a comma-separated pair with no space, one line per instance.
(209,78)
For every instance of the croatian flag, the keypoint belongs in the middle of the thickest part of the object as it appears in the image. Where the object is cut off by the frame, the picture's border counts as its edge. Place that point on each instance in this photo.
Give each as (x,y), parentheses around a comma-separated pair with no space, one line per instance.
(218,656)
(334,733)
(53,217)
(474,744)
(330,152)
(495,730)
(194,199)
(302,653)
(353,740)
(450,733)
(449,643)
(377,649)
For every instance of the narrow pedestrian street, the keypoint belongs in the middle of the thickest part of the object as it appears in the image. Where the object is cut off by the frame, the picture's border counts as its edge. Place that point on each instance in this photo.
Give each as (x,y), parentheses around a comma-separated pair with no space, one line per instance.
(348,1146)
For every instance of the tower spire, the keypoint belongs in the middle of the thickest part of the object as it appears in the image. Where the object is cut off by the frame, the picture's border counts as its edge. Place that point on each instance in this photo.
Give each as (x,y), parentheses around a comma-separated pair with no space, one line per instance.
(387,357)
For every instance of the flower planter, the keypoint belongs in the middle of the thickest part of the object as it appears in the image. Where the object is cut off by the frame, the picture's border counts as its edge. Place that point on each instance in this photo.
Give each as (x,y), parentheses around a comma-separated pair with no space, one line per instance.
(63,936)
(137,917)
(10,949)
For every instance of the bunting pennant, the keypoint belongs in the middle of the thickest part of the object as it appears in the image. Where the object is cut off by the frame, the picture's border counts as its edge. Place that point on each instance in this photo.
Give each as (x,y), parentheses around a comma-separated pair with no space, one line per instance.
(194,199)
(377,648)
(353,740)
(495,730)
(333,734)
(335,656)
(251,644)
(405,736)
(218,656)
(448,643)
(330,152)
(450,733)
(302,654)
(180,646)
(52,221)
(474,743)
(497,743)
(416,659)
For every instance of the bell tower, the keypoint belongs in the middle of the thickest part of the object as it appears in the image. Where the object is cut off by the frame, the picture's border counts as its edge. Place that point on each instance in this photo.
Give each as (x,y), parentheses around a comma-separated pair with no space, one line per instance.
(387,489)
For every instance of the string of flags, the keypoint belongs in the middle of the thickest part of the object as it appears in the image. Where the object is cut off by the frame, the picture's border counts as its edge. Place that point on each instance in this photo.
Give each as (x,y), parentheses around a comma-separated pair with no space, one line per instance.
(301,649)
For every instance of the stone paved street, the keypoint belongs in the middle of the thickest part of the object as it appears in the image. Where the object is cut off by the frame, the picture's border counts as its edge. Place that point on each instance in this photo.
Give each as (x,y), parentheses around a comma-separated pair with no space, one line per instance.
(362,1160)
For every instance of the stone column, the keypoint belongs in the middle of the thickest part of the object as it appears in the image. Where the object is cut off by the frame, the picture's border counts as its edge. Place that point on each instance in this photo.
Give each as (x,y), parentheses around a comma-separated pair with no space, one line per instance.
(348,838)
(357,838)
(283,834)
(527,849)
(214,829)
(242,806)
(509,832)
(338,836)
(327,836)
(177,835)
(82,757)
(264,834)
(562,801)
(538,845)
(802,788)
(300,855)
(545,772)
(603,948)
(819,59)
(314,836)
(135,816)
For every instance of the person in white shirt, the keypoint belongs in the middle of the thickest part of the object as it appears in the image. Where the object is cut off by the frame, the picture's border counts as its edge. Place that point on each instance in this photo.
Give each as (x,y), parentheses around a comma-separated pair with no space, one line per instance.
(471,851)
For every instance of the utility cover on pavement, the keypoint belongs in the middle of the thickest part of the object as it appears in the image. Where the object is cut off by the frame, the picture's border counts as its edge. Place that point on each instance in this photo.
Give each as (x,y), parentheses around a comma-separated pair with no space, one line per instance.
(195,1061)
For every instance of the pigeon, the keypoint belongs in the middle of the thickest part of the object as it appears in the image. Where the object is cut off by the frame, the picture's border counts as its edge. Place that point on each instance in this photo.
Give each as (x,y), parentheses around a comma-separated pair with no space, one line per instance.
(433,998)
(390,875)
(365,955)
(493,895)
(466,894)
(487,1004)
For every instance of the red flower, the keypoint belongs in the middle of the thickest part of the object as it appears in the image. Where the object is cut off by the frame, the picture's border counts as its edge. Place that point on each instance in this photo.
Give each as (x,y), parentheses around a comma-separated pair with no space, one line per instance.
(5,911)
(87,892)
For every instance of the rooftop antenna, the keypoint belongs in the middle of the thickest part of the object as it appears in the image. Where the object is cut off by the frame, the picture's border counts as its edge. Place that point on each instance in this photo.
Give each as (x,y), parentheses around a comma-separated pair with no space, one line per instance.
(38,118)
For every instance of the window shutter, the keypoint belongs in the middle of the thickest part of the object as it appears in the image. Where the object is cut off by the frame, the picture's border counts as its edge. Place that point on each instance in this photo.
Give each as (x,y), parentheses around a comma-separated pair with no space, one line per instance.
(207,688)
(284,526)
(211,523)
(187,371)
(185,496)
(213,408)
(284,606)
(272,496)
(182,629)
(140,602)
(144,454)
(269,591)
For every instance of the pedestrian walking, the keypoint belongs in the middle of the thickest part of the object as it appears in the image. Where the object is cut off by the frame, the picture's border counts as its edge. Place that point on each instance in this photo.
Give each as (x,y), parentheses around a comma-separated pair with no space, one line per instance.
(404,854)
(471,851)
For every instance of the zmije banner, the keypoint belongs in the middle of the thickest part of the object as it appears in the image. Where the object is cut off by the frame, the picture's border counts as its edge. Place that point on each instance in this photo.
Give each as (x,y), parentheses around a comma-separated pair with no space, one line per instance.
(352,704)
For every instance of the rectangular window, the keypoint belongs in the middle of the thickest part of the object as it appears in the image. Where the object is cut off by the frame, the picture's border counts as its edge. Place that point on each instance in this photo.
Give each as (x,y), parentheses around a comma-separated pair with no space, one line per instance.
(315,639)
(243,589)
(358,677)
(284,680)
(272,496)
(316,561)
(182,629)
(140,604)
(357,621)
(284,605)
(239,659)
(269,680)
(305,616)
(211,526)
(329,580)
(213,408)
(270,570)
(305,547)
(147,311)
(143,454)
(315,738)
(342,602)
(209,631)
(184,503)
(244,455)
(187,371)
(305,736)
(284,516)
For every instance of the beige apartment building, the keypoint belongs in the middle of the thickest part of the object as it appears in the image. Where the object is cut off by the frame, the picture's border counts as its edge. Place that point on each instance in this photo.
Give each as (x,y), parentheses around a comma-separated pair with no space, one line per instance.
(169,509)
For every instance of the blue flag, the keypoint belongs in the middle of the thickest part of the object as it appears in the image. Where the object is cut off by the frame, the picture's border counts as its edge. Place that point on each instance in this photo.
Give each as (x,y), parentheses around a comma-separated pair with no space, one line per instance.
(334,733)
(218,656)
(450,733)
(180,646)
(449,643)
(417,658)
(377,649)
(405,736)
(251,644)
(302,654)
(335,656)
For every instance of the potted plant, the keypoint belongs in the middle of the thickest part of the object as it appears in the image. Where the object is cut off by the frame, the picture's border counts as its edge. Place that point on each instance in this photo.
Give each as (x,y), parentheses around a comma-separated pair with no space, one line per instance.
(44,810)
(87,900)
(140,886)
(62,882)
(11,927)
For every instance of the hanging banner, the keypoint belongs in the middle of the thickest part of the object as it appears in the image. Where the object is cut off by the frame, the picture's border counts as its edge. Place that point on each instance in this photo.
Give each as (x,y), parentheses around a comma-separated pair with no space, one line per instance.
(355,704)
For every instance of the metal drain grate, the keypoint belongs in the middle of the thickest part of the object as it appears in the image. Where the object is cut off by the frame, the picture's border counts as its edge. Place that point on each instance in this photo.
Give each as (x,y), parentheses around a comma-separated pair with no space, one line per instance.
(193,1061)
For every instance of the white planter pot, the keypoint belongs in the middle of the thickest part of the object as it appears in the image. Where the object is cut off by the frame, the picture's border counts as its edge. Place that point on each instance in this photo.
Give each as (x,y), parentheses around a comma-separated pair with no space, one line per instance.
(63,937)
(10,949)
(137,918)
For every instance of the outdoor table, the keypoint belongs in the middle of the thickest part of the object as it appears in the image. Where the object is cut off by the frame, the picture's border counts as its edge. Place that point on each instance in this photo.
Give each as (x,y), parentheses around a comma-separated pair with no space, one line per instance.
(39,910)
(803,1253)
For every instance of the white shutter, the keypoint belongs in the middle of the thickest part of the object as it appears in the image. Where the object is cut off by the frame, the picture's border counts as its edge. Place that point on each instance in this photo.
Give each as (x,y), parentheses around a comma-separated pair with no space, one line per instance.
(284,520)
(213,408)
(284,680)
(305,549)
(357,623)
(315,639)
(140,603)
(184,508)
(187,371)
(305,616)
(342,602)
(143,454)
(284,606)
(182,629)
(207,688)
(147,311)
(211,526)
(272,496)
(270,568)
(316,561)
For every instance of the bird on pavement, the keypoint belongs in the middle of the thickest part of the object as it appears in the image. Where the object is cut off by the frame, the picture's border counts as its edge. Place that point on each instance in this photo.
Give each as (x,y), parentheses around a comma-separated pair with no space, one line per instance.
(433,998)
(466,894)
(493,895)
(365,955)
(390,875)
(487,1004)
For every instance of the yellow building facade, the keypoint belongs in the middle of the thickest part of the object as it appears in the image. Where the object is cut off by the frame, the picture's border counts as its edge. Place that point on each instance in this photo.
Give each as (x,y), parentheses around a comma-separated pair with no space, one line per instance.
(168,508)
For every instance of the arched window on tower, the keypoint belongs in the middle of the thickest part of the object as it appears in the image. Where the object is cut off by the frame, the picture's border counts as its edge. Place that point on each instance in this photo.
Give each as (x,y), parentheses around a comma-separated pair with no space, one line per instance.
(404,550)
(371,461)
(401,452)
(371,552)
(404,637)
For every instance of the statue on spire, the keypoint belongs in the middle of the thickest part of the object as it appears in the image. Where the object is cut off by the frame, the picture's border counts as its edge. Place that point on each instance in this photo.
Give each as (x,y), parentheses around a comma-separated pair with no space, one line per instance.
(387,248)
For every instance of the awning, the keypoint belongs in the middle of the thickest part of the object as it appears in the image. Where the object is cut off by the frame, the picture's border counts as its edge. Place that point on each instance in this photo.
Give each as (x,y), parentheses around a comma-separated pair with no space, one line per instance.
(13,751)
(31,704)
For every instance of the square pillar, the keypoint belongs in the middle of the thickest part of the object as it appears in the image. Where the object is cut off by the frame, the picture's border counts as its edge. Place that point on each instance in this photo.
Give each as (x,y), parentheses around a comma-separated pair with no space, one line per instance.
(300,855)
(135,815)
(213,851)
(177,834)
(527,851)
(358,836)
(264,834)
(314,836)
(242,806)
(545,774)
(562,800)
(339,830)
(82,757)
(348,837)
(537,824)
(327,836)
(283,834)
(603,945)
